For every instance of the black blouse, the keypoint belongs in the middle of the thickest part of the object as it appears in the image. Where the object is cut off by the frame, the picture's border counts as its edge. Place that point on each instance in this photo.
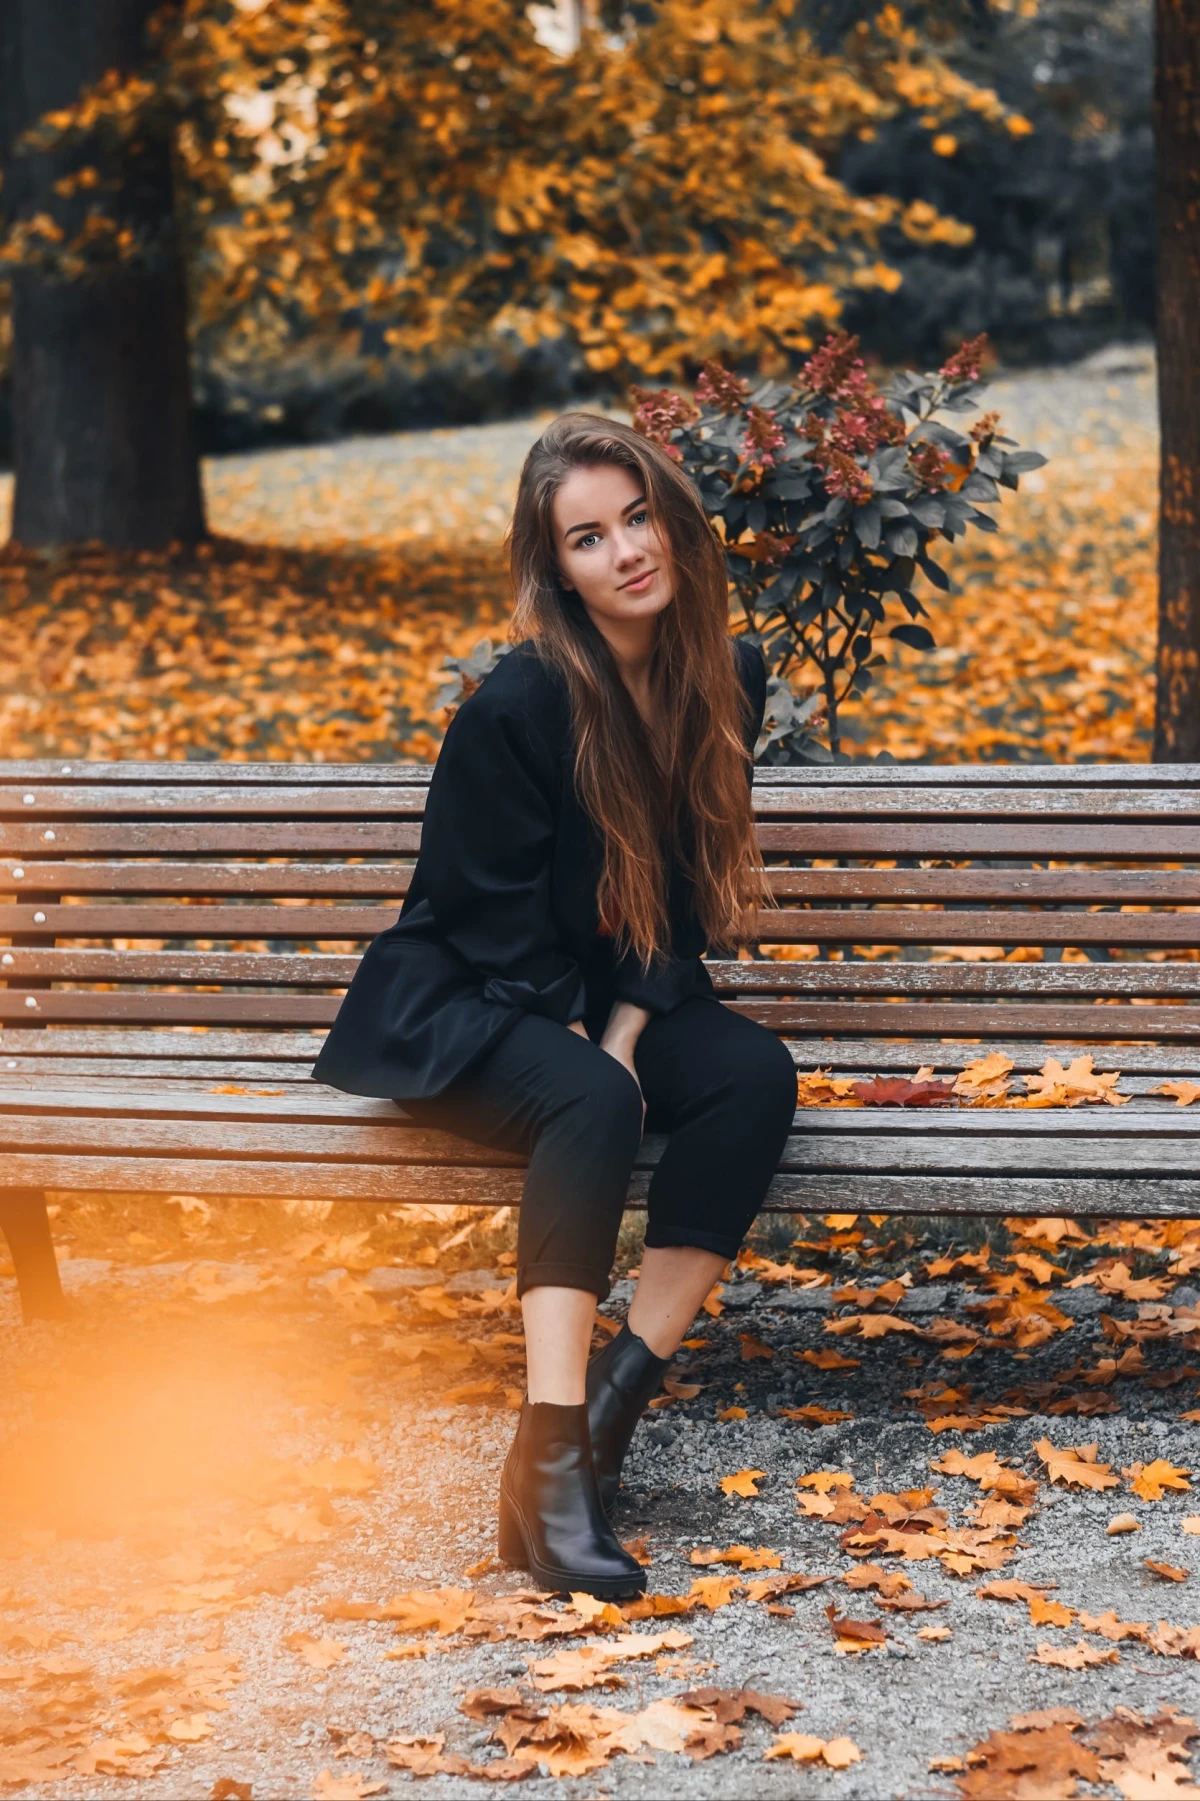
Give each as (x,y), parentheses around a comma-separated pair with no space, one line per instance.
(501,914)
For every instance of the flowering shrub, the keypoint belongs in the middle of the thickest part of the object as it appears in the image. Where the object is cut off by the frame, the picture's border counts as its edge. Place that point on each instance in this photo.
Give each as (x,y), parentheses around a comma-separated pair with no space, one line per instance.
(827,501)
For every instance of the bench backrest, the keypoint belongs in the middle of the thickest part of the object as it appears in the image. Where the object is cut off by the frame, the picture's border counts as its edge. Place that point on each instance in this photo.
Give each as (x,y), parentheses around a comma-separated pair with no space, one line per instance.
(139,902)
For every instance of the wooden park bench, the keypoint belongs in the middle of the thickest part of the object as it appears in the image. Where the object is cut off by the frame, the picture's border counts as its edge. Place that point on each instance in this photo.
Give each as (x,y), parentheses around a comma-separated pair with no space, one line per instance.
(176,936)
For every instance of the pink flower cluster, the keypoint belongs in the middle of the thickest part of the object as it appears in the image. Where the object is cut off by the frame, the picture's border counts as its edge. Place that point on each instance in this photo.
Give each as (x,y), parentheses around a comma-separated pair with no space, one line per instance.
(721,389)
(844,478)
(967,360)
(660,411)
(862,422)
(985,429)
(930,465)
(835,367)
(764,436)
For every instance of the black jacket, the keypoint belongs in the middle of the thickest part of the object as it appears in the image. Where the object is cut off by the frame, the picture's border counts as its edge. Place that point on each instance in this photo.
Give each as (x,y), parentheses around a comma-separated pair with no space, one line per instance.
(501,917)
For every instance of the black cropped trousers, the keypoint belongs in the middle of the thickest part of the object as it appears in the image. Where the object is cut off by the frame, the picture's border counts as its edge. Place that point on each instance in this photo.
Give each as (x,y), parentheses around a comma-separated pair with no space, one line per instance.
(720,1086)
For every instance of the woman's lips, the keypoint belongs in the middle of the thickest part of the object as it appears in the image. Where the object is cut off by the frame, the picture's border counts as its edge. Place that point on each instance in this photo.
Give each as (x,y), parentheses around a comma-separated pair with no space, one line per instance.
(639,584)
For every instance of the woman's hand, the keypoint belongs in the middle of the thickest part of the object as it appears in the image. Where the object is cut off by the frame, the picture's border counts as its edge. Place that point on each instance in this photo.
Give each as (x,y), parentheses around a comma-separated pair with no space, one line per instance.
(624,1028)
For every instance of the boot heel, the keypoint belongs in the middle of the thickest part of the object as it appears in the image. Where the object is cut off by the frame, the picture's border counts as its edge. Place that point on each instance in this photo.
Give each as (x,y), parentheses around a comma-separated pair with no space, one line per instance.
(510,1539)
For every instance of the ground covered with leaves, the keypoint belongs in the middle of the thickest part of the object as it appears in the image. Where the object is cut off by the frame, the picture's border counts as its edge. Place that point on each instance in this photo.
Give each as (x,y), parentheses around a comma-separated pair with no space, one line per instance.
(920,1517)
(316,626)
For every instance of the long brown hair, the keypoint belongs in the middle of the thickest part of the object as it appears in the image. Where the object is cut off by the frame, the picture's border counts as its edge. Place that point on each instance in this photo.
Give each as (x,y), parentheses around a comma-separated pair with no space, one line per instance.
(682,788)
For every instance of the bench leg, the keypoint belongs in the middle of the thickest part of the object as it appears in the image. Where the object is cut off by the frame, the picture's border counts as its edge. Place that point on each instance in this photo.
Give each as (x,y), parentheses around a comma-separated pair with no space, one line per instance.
(24,1222)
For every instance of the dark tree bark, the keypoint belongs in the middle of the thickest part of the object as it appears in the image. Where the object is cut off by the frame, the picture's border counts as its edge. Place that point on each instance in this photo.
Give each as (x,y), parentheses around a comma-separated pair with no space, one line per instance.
(1177,124)
(103,448)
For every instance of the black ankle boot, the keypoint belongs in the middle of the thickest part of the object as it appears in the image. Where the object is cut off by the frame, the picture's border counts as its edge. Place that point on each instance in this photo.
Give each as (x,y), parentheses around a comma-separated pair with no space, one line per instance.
(551,1520)
(620,1381)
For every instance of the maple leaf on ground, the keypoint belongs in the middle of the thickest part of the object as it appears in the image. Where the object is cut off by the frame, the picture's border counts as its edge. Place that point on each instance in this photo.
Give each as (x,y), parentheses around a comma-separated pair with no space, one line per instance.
(1111,1628)
(1012,1589)
(1171,1572)
(1191,1525)
(591,1665)
(873,1325)
(873,1575)
(835,1753)
(1037,1759)
(898,1091)
(350,1787)
(1150,1481)
(1122,1522)
(814,1416)
(318,1653)
(1081,1656)
(1146,1757)
(741,1555)
(754,1347)
(732,1413)
(829,1359)
(1076,1465)
(480,1703)
(744,1483)
(1049,1613)
(938,1634)
(823,1480)
(854,1635)
(728,1705)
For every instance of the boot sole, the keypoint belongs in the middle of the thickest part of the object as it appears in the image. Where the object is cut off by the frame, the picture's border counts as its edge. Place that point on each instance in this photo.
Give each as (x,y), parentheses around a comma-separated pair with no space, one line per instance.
(513,1548)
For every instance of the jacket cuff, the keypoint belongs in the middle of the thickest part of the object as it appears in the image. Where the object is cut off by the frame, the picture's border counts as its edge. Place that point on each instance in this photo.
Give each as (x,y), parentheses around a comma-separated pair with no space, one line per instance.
(667,983)
(561,1000)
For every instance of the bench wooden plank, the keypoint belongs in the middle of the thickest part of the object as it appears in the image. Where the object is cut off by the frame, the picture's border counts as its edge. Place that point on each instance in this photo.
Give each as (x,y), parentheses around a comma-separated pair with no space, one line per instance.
(275,970)
(350,881)
(59,801)
(201,772)
(1156,839)
(1100,1021)
(825,925)
(1122,1198)
(313,1103)
(238,838)
(201,880)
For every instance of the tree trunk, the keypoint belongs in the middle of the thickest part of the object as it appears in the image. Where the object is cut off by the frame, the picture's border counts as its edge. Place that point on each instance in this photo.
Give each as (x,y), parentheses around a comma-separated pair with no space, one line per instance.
(103,448)
(1177,118)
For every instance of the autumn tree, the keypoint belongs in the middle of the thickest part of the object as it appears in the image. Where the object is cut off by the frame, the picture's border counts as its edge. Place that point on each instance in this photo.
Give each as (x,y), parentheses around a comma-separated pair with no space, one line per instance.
(1177,110)
(102,424)
(662,195)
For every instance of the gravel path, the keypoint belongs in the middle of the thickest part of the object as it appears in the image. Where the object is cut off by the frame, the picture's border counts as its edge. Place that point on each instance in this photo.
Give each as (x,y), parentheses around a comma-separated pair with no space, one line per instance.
(157,1438)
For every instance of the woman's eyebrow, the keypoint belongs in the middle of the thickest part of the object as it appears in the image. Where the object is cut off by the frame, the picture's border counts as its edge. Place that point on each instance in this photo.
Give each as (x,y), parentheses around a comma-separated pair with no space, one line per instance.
(593,525)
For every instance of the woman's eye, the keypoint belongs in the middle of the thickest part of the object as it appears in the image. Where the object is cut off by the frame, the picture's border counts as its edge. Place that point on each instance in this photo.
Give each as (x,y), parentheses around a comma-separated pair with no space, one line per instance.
(639,518)
(588,538)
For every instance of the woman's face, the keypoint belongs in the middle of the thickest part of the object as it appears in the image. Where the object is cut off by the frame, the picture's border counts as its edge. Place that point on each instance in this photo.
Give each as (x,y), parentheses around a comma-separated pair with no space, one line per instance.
(608,551)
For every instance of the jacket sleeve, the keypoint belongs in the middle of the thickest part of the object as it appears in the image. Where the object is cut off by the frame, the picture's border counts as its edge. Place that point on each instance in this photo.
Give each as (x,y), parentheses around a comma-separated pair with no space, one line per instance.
(486,850)
(677,978)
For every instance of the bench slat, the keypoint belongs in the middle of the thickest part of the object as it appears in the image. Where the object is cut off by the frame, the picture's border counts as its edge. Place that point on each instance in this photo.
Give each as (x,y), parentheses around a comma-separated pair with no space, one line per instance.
(114,877)
(278,970)
(314,1103)
(54,802)
(942,1020)
(351,881)
(1123,1198)
(788,925)
(1168,776)
(1159,840)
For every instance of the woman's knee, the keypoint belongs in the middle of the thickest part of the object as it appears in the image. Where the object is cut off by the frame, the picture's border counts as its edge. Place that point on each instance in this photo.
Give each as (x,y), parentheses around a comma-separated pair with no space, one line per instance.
(765,1077)
(606,1101)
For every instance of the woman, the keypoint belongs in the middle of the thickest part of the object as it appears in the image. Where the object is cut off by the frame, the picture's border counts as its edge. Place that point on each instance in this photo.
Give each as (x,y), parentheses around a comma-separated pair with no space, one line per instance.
(588,833)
